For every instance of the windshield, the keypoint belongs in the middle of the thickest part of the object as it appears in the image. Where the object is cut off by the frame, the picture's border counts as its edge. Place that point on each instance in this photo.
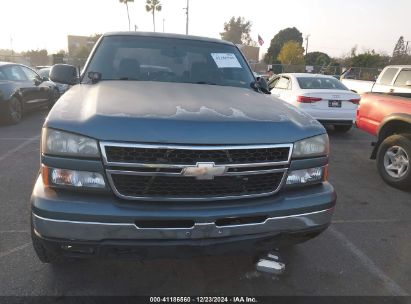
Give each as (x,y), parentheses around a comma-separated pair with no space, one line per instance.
(320,83)
(169,60)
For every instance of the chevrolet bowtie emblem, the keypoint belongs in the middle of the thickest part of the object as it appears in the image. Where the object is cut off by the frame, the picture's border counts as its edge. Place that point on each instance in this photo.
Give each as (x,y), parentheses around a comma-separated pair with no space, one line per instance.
(204,171)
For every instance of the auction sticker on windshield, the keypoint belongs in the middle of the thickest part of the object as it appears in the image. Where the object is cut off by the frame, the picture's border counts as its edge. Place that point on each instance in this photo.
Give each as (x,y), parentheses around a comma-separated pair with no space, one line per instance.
(226,60)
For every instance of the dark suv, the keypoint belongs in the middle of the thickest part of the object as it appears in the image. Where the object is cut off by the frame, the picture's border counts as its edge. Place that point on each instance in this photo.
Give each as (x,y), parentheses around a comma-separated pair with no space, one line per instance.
(168,145)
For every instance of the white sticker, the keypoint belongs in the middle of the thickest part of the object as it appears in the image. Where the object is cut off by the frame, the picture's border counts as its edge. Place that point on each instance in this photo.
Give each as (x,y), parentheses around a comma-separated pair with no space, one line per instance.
(226,60)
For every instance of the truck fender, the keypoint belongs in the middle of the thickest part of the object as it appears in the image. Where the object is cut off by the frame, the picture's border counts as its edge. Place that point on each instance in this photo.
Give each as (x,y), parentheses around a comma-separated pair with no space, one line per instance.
(389,126)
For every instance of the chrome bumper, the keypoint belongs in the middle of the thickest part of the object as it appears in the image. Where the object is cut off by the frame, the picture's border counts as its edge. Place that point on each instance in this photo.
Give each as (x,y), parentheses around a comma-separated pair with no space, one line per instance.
(96,231)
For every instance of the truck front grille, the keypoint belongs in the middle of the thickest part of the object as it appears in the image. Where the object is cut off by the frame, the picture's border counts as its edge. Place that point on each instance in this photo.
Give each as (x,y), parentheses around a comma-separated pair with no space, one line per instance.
(188,187)
(171,172)
(189,157)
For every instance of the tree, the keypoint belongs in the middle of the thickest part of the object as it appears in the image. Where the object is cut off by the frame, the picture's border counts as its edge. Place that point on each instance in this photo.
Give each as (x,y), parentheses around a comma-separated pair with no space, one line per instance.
(353,51)
(399,49)
(400,54)
(128,14)
(369,59)
(62,52)
(277,43)
(292,53)
(153,6)
(406,59)
(237,30)
(317,58)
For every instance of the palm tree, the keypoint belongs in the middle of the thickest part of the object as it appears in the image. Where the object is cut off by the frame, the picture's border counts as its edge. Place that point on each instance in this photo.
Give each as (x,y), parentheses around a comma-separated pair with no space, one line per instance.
(153,6)
(128,15)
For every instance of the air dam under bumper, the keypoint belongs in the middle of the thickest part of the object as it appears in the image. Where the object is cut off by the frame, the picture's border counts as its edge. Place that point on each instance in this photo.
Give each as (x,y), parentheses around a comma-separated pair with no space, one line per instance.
(96,231)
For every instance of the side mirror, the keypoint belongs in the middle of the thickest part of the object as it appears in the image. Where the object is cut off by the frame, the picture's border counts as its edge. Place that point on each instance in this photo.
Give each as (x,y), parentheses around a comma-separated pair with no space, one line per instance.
(64,73)
(408,83)
(262,85)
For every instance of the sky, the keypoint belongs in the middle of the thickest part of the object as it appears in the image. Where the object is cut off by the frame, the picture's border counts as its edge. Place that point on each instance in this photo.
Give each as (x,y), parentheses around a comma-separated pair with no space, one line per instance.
(334,26)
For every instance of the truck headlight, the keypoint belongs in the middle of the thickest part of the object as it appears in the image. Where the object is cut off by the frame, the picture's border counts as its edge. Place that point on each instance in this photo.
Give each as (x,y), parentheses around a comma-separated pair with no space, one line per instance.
(307,176)
(72,178)
(312,147)
(61,143)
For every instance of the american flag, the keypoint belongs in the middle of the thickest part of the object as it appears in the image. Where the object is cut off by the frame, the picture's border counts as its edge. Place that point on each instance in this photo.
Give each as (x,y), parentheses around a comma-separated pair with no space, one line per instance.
(260,40)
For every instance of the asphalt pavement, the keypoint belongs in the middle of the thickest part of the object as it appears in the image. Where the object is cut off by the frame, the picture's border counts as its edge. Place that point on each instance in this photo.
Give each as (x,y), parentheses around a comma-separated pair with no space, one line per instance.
(366,250)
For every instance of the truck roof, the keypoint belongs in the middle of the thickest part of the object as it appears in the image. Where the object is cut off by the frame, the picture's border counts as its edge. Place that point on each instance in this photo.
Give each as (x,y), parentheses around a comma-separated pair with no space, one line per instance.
(166,35)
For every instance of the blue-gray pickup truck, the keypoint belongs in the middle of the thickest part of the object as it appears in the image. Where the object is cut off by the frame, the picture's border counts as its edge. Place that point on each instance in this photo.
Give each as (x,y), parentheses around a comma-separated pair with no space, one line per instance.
(166,145)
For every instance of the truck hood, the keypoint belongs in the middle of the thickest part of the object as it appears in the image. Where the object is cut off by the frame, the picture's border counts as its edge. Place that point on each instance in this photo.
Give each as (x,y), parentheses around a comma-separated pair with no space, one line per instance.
(158,112)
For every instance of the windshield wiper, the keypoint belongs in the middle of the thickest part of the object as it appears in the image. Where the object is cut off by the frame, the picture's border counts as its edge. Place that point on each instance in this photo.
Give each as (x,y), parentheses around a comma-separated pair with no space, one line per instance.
(205,82)
(127,78)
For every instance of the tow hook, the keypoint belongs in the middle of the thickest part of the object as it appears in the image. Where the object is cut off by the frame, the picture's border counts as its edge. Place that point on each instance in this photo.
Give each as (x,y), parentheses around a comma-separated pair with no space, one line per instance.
(272,263)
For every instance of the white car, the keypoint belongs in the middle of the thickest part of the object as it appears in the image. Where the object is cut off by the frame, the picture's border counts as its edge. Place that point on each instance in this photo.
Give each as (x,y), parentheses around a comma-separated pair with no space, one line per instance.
(323,97)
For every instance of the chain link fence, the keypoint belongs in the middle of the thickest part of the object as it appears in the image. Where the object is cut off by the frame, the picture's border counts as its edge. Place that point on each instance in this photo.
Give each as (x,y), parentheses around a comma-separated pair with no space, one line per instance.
(355,72)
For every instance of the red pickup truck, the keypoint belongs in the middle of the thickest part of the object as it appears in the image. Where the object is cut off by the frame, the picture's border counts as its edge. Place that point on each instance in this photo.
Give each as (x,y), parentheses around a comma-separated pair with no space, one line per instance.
(388,116)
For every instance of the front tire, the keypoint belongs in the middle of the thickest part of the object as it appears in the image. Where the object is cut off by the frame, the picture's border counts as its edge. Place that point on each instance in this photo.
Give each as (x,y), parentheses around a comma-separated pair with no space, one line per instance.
(13,111)
(342,128)
(393,161)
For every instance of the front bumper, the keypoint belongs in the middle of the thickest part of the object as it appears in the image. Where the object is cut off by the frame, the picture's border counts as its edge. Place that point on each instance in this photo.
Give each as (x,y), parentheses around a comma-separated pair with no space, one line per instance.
(100,231)
(150,249)
(61,217)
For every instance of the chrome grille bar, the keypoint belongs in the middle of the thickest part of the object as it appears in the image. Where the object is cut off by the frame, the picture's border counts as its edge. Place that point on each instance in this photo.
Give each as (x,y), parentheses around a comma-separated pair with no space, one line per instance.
(159,170)
(103,146)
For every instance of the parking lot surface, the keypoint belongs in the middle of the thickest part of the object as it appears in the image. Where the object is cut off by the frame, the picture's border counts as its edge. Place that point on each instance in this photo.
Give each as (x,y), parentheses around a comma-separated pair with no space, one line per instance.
(365,252)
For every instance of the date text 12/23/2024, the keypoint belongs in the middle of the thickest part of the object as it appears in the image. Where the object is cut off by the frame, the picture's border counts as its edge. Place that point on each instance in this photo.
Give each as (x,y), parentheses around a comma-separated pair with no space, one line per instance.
(203,300)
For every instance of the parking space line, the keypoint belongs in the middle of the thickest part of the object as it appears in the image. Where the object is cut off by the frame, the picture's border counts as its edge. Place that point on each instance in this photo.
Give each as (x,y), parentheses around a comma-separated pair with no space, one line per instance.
(19,147)
(11,251)
(389,283)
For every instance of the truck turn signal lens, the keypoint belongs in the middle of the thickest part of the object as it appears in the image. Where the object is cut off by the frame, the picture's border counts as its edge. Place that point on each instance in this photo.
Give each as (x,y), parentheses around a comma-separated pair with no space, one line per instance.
(45,175)
(71,178)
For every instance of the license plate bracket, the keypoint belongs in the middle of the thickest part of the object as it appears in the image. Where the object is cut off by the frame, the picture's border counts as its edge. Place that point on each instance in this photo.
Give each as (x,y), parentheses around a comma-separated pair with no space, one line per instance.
(334,104)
